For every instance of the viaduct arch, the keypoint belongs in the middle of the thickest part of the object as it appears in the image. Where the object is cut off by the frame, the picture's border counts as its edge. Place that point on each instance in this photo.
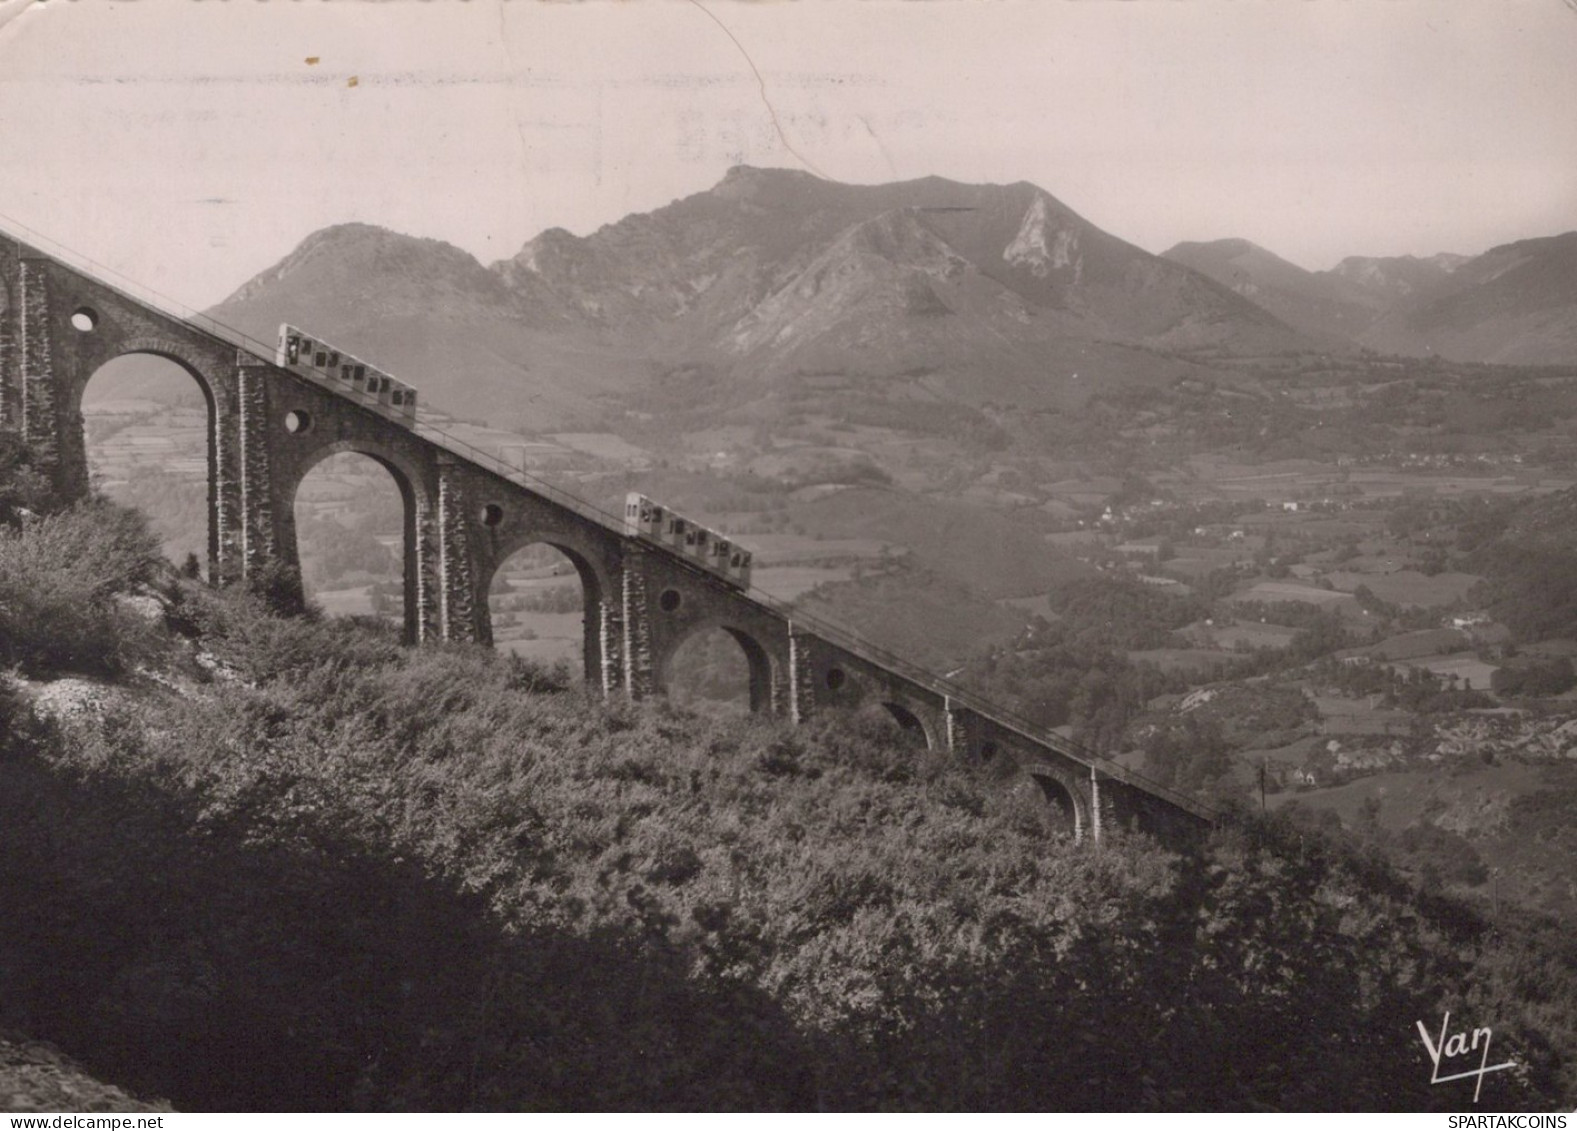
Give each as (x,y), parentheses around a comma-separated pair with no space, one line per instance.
(191,362)
(410,481)
(466,513)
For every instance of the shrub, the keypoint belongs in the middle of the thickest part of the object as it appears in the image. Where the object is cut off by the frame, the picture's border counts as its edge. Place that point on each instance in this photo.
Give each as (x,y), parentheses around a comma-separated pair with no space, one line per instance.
(21,730)
(1533,678)
(61,577)
(22,487)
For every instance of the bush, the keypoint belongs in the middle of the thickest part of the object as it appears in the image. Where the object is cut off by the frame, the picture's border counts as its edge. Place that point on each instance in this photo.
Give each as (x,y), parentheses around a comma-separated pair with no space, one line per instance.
(243,629)
(21,731)
(22,487)
(61,580)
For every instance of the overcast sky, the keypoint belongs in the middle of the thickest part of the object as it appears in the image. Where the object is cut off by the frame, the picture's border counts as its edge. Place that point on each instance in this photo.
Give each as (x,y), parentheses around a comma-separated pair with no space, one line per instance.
(192,143)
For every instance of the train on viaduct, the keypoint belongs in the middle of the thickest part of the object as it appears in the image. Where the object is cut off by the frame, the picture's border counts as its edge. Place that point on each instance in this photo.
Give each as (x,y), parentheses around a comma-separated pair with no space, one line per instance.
(276,410)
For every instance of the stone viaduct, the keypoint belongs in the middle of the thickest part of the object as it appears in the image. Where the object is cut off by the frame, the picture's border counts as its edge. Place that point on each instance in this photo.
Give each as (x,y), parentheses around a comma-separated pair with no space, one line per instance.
(465,513)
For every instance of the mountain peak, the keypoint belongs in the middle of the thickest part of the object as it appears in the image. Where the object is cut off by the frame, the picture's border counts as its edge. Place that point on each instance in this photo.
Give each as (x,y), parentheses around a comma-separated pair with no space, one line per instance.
(748,182)
(549,251)
(356,238)
(1229,248)
(348,231)
(765,173)
(341,249)
(1316,303)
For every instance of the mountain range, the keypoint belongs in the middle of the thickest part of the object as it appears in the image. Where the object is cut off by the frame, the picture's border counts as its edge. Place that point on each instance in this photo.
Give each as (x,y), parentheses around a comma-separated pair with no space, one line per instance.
(775,290)
(1514,304)
(769,283)
(1343,302)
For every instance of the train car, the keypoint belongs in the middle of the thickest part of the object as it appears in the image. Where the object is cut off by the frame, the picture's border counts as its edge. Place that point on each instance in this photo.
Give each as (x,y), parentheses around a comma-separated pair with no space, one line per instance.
(642,516)
(739,562)
(403,400)
(288,354)
(697,540)
(366,383)
(706,548)
(675,529)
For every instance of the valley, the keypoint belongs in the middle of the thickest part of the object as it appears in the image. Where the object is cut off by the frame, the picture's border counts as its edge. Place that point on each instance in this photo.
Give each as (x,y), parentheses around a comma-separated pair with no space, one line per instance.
(1333,582)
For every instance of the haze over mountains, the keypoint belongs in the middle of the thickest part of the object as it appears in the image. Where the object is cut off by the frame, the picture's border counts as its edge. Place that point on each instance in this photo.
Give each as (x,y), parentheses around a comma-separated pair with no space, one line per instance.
(1343,303)
(768,281)
(1515,304)
(775,287)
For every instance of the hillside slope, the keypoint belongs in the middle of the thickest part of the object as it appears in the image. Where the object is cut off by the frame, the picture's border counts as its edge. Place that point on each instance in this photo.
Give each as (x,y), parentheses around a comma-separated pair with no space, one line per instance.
(691,271)
(427,310)
(1322,304)
(1389,279)
(298,866)
(1515,304)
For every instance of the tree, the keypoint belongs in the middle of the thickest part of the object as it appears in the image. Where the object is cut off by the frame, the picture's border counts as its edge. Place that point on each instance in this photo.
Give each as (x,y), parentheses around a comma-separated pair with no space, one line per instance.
(1192,755)
(1534,678)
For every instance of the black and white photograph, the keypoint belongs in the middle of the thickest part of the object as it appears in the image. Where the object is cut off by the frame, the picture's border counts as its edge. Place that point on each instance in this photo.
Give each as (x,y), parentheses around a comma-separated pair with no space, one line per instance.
(809,556)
